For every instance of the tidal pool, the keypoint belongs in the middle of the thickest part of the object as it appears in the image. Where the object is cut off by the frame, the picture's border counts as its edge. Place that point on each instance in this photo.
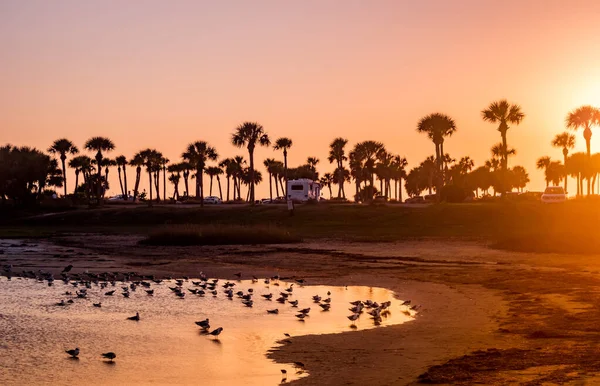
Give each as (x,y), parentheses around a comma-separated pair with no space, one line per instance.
(165,346)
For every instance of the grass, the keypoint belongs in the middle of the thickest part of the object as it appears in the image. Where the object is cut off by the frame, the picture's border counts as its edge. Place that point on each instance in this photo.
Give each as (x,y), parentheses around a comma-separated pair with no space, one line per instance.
(184,235)
(524,226)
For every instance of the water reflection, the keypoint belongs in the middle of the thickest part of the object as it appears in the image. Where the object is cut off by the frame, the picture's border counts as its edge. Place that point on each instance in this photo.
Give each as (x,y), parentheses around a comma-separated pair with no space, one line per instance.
(165,346)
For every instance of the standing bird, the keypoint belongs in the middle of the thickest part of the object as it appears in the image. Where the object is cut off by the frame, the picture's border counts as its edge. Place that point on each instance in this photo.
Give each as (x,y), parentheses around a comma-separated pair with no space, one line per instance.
(238,275)
(67,268)
(109,355)
(203,324)
(73,353)
(353,317)
(136,317)
(216,332)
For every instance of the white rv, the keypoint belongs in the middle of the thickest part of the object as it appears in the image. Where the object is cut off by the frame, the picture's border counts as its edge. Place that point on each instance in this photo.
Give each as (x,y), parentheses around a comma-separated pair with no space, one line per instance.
(303,190)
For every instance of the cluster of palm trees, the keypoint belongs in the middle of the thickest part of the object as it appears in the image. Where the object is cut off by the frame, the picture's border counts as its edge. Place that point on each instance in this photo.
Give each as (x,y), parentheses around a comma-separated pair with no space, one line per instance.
(363,164)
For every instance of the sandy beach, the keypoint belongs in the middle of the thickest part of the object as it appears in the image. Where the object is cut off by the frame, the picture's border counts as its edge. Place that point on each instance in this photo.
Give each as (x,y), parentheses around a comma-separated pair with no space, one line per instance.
(486,316)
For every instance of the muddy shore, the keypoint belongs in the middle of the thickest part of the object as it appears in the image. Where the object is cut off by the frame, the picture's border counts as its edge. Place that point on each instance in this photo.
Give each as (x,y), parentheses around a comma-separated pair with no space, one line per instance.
(487,316)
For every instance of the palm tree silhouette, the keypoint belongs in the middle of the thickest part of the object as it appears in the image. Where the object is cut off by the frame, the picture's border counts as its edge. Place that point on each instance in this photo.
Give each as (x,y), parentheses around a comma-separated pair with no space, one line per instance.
(81,164)
(122,164)
(337,154)
(584,117)
(327,180)
(269,164)
(197,154)
(175,177)
(250,134)
(63,146)
(503,113)
(543,163)
(215,171)
(565,141)
(437,126)
(137,161)
(152,160)
(99,144)
(284,144)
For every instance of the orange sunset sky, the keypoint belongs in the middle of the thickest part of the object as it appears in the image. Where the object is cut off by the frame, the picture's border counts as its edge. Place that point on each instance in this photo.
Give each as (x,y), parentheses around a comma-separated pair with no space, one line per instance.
(162,74)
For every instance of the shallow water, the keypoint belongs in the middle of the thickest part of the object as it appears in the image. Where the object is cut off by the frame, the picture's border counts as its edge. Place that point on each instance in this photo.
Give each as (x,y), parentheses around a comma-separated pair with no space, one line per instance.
(165,346)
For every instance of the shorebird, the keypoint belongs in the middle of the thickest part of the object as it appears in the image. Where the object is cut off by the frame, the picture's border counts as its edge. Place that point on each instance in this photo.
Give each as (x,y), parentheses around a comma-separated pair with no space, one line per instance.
(150,292)
(316,298)
(73,353)
(109,355)
(353,317)
(294,303)
(275,311)
(67,268)
(325,307)
(301,316)
(268,296)
(136,317)
(238,275)
(61,303)
(126,294)
(98,304)
(204,324)
(405,303)
(216,332)
(305,311)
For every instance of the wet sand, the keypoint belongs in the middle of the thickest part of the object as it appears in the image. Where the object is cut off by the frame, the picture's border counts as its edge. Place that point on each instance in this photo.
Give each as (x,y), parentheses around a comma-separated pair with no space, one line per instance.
(487,316)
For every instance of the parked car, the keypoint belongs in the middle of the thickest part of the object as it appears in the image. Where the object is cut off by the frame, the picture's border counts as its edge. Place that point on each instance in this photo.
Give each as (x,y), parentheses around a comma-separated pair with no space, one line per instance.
(212,200)
(430,198)
(120,197)
(415,200)
(554,194)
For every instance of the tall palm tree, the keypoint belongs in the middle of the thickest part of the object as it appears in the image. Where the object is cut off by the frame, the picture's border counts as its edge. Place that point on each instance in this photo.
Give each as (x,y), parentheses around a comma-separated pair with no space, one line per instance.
(152,160)
(337,154)
(81,164)
(186,168)
(437,126)
(584,117)
(543,163)
(107,163)
(99,145)
(327,180)
(284,144)
(250,134)
(197,154)
(565,141)
(503,113)
(269,164)
(122,164)
(226,165)
(215,171)
(137,161)
(175,177)
(399,164)
(237,168)
(63,146)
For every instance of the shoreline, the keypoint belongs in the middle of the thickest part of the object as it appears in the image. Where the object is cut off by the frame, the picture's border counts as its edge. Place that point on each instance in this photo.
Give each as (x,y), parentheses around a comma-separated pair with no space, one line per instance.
(506,317)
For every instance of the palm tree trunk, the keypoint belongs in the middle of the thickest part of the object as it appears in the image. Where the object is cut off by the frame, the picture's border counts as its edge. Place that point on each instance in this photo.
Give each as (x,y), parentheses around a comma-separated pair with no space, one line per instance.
(186,175)
(165,183)
(157,183)
(125,181)
(76,180)
(99,178)
(150,186)
(138,175)
(211,181)
(251,154)
(400,189)
(565,163)
(271,186)
(276,185)
(220,191)
(200,180)
(285,173)
(198,184)
(227,188)
(329,186)
(120,181)
(63,158)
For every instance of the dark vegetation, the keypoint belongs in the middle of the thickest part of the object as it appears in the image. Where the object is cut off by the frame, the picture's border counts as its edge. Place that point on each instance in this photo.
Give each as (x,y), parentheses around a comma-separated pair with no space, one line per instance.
(182,235)
(523,226)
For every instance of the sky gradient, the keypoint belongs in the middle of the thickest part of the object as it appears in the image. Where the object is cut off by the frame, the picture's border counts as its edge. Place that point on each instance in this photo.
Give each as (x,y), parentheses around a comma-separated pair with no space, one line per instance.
(163,74)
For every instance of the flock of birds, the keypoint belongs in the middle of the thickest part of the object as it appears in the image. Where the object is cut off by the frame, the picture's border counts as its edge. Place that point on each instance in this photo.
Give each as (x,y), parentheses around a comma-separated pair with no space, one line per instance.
(129,283)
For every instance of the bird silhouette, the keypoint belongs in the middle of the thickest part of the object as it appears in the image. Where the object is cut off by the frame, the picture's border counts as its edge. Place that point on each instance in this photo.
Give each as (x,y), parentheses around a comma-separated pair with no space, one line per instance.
(73,353)
(216,332)
(109,355)
(135,318)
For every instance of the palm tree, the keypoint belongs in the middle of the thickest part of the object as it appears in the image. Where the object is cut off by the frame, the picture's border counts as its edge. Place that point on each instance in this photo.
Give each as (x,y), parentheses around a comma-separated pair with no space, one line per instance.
(163,163)
(543,163)
(197,154)
(137,161)
(337,154)
(437,126)
(122,164)
(555,172)
(62,147)
(565,141)
(398,171)
(99,144)
(186,168)
(152,160)
(519,177)
(284,144)
(269,165)
(584,117)
(226,164)
(237,169)
(327,180)
(175,177)
(249,134)
(215,171)
(81,164)
(503,113)
(107,163)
